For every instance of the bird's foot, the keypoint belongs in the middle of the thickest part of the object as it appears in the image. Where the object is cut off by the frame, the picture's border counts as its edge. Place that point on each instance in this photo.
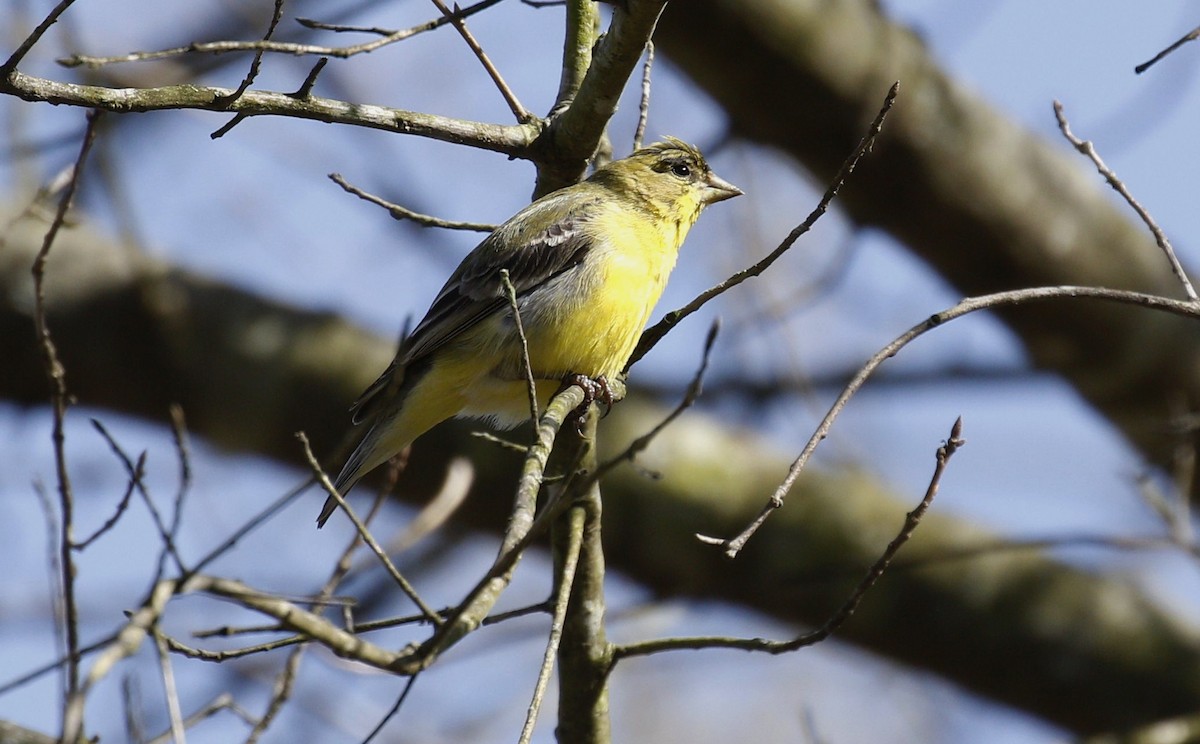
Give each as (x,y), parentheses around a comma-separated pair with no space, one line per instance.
(594,389)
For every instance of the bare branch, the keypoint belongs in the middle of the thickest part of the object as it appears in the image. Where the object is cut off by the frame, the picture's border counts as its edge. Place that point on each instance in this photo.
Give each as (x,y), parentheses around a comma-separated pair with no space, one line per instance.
(56,376)
(282,690)
(531,385)
(183,452)
(402,213)
(133,472)
(221,702)
(566,579)
(255,66)
(282,47)
(1189,36)
(843,613)
(124,644)
(10,65)
(519,111)
(139,470)
(655,333)
(1087,149)
(644,103)
(393,710)
(969,305)
(513,140)
(170,691)
(254,523)
(694,389)
(521,531)
(365,534)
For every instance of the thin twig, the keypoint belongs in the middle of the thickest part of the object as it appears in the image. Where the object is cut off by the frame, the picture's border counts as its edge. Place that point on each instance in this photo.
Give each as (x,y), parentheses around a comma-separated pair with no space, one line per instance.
(56,375)
(170,691)
(527,367)
(183,452)
(50,666)
(139,470)
(365,533)
(848,607)
(285,679)
(341,642)
(131,707)
(54,555)
(254,523)
(566,579)
(346,28)
(11,63)
(306,88)
(282,47)
(132,471)
(644,104)
(455,18)
(359,629)
(655,333)
(124,644)
(221,702)
(521,531)
(281,691)
(639,445)
(969,305)
(408,685)
(402,213)
(1189,36)
(1088,150)
(251,75)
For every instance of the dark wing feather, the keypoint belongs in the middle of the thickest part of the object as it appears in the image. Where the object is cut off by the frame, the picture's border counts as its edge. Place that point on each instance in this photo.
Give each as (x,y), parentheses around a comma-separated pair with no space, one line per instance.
(531,256)
(474,291)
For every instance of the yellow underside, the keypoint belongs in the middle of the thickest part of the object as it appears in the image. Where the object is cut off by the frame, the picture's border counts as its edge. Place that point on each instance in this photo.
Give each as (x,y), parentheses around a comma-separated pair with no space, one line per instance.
(586,324)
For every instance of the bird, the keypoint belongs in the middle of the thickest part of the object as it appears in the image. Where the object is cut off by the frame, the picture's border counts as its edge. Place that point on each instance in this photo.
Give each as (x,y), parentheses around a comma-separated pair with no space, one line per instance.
(586,263)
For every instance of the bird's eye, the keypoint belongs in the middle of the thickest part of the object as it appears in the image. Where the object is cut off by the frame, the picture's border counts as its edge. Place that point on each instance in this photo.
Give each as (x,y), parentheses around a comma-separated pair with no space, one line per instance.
(683,170)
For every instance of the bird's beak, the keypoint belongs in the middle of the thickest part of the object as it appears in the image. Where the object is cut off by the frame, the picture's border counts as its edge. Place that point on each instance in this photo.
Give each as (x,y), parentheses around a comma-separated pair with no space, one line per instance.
(718,189)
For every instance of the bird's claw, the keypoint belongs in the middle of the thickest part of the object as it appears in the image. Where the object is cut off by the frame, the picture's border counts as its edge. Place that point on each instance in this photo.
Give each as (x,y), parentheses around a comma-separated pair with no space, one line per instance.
(593,389)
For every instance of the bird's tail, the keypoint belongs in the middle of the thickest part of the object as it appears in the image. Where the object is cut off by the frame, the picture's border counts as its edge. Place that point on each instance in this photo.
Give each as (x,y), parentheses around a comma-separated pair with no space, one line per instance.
(349,475)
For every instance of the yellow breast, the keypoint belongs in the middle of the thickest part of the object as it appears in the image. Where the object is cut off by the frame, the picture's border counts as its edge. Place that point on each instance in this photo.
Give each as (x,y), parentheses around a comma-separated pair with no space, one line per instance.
(604,309)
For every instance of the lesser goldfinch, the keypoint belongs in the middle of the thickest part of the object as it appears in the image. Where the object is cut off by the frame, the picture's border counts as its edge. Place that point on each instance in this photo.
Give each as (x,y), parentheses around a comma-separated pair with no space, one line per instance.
(587,263)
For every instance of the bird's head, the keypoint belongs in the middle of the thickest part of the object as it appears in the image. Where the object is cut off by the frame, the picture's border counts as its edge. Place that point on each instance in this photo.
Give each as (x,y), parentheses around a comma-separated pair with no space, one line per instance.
(671,178)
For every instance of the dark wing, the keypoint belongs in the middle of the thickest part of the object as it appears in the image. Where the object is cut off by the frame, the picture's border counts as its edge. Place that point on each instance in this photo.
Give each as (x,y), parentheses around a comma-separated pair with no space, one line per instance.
(532,255)
(532,251)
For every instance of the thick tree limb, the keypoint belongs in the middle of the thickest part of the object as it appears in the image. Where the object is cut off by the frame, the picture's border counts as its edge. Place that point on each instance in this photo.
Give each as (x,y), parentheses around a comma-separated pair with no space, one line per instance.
(988,204)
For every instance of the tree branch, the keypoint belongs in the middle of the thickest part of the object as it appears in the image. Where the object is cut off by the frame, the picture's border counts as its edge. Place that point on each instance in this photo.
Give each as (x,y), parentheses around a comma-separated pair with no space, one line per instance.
(513,140)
